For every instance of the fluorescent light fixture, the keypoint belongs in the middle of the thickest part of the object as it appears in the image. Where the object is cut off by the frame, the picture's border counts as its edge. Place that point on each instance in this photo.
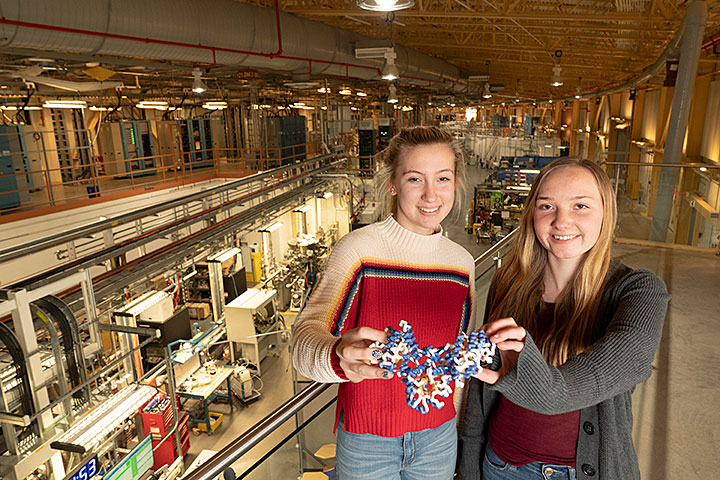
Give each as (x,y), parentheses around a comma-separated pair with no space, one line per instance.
(13,107)
(406,108)
(143,302)
(486,92)
(226,254)
(65,104)
(301,106)
(530,170)
(361,94)
(98,109)
(345,91)
(327,195)
(322,90)
(354,109)
(390,71)
(304,208)
(518,187)
(392,96)
(198,85)
(385,5)
(215,105)
(153,105)
(556,78)
(271,228)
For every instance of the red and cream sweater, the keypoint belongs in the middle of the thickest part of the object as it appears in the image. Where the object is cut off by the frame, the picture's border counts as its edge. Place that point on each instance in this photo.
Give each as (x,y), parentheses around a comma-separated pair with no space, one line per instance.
(377,276)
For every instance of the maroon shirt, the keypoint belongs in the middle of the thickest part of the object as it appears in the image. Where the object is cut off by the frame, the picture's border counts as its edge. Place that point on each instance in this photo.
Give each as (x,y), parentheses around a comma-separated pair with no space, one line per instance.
(520,436)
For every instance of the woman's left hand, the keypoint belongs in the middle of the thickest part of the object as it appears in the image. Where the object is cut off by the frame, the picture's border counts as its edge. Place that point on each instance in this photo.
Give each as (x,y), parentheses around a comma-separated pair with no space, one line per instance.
(510,340)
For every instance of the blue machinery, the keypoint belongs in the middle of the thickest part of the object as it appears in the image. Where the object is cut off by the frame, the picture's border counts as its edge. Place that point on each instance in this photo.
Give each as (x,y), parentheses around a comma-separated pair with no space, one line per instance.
(14,187)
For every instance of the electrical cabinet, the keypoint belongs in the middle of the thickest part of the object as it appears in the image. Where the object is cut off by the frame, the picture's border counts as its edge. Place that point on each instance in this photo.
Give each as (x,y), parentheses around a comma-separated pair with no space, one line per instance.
(196,135)
(366,145)
(288,134)
(128,148)
(14,162)
(384,134)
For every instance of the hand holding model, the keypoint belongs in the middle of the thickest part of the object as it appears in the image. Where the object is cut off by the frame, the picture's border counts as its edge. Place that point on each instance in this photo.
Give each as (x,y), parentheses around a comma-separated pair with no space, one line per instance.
(355,354)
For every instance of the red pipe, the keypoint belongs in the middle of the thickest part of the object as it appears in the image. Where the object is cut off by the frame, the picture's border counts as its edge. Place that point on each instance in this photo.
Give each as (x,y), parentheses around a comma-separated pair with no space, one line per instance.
(277,19)
(17,23)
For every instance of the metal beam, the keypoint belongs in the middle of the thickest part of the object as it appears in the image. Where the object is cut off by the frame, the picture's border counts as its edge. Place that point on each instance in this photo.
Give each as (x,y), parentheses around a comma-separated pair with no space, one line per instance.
(147,332)
(599,17)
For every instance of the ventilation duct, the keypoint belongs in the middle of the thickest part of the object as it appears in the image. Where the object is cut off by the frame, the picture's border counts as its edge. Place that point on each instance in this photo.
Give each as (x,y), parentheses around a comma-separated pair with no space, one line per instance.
(209,32)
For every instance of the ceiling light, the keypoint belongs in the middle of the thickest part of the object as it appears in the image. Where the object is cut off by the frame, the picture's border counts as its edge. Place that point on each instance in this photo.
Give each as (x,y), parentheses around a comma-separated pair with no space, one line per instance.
(215,105)
(556,78)
(407,108)
(14,107)
(198,85)
(385,5)
(392,96)
(486,93)
(577,92)
(703,169)
(65,104)
(153,105)
(323,90)
(361,94)
(345,91)
(390,71)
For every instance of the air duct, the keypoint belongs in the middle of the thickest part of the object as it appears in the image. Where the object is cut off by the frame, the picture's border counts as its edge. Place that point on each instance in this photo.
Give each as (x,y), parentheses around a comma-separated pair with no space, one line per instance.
(217,32)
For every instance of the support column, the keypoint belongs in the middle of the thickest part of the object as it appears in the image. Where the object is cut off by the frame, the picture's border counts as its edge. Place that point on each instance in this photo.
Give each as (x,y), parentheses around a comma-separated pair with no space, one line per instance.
(695,16)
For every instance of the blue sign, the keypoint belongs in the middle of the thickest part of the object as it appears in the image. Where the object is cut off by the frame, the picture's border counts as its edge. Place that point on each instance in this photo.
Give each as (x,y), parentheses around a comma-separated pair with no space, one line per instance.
(87,471)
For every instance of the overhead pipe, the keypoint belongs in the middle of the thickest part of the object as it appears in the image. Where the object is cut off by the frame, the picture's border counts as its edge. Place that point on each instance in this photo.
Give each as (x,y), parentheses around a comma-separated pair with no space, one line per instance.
(670,52)
(208,30)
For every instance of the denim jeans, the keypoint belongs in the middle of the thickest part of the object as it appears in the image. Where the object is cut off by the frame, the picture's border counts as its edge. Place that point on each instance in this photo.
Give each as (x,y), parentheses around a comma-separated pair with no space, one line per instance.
(425,455)
(495,469)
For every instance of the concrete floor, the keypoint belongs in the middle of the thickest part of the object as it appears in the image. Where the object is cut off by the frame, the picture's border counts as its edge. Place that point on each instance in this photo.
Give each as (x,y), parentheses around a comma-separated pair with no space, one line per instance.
(676,411)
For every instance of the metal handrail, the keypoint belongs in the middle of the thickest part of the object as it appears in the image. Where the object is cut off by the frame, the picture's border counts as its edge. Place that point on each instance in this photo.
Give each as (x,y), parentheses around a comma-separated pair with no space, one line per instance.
(488,254)
(241,445)
(34,246)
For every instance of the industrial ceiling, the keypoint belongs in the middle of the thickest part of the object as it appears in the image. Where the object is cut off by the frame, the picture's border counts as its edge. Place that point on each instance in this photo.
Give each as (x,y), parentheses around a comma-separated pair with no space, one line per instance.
(515,46)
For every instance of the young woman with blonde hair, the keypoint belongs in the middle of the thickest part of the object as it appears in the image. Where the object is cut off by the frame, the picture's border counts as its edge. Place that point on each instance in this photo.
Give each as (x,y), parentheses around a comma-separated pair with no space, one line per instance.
(401,268)
(577,331)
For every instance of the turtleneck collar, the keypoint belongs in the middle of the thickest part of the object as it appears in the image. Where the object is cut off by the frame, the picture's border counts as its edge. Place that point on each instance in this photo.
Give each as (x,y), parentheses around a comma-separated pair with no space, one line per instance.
(403,238)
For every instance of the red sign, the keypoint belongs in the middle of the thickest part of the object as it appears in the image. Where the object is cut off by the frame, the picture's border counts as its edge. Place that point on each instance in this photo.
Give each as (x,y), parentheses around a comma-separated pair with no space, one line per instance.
(247,74)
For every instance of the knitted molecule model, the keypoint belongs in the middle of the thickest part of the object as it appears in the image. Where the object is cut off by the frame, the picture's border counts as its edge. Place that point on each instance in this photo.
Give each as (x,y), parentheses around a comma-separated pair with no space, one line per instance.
(427,372)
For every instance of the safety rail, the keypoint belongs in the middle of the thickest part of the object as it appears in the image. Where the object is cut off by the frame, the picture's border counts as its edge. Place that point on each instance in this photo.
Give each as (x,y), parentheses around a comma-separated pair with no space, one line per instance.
(37,177)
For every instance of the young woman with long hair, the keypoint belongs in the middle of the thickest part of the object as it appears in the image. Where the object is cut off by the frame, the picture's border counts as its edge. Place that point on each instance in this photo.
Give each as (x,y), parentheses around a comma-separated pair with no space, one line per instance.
(577,331)
(401,268)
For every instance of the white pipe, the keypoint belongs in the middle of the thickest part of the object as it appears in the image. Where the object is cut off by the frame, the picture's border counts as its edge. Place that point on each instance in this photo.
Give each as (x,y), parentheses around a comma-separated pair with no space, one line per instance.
(213,23)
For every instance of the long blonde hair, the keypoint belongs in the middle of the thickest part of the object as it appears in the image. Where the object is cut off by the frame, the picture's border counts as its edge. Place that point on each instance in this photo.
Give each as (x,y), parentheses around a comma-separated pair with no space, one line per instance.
(519,283)
(407,139)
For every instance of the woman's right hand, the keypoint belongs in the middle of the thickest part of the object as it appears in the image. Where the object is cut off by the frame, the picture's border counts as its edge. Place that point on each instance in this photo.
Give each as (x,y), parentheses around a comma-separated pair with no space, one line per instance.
(355,354)
(510,340)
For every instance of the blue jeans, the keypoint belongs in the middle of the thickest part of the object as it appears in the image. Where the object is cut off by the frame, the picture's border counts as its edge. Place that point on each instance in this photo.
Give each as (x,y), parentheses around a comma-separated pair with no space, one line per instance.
(494,468)
(425,455)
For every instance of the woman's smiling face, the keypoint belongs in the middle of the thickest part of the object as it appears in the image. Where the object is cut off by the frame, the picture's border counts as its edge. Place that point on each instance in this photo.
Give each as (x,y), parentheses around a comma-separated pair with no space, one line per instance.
(568,213)
(424,182)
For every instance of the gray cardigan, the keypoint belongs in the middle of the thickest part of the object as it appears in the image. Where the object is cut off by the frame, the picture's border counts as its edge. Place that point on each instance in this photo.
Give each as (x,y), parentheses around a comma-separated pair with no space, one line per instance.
(599,382)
